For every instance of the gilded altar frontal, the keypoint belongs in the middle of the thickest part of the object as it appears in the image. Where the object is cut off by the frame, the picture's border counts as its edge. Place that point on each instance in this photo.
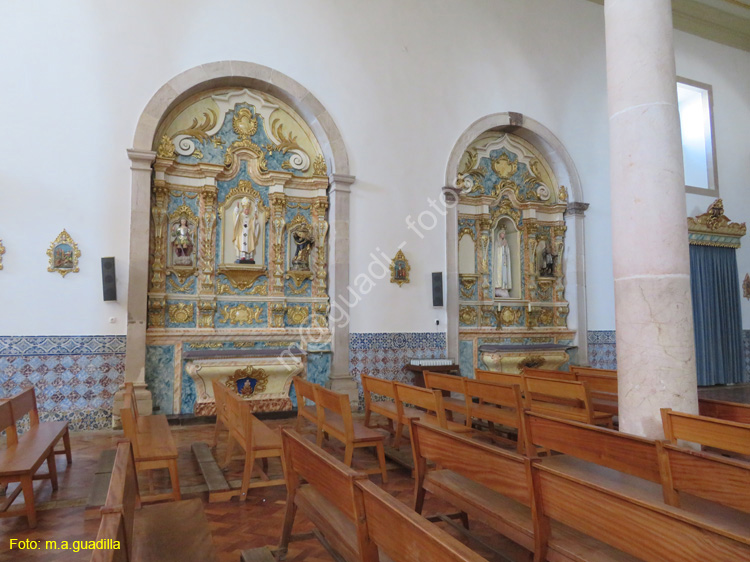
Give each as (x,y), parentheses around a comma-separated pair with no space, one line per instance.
(511,255)
(239,252)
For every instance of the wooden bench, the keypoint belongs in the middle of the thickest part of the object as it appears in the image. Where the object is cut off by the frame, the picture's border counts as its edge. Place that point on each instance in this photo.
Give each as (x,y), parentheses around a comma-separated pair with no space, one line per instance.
(168,531)
(548,374)
(153,446)
(389,408)
(404,536)
(602,386)
(567,399)
(335,419)
(498,377)
(493,486)
(256,439)
(431,409)
(730,411)
(714,433)
(305,391)
(499,404)
(581,370)
(22,457)
(448,385)
(328,498)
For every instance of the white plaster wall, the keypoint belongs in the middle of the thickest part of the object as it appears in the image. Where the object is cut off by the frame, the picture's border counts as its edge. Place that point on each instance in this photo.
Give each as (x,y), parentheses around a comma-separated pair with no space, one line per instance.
(402,80)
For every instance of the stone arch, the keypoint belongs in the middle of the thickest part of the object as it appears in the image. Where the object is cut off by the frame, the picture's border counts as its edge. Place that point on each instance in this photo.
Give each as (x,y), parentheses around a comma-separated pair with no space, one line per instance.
(566,173)
(179,88)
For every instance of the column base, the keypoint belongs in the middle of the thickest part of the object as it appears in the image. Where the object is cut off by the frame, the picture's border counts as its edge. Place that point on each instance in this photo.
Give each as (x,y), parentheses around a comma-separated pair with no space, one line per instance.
(142,398)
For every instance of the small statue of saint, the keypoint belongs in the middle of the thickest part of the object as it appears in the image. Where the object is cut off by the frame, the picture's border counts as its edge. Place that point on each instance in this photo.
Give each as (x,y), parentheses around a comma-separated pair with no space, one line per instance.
(303,239)
(246,231)
(547,265)
(504,280)
(182,243)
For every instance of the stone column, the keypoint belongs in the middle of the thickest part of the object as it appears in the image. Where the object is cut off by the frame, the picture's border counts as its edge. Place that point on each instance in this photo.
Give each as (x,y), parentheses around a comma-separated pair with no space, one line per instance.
(450,196)
(341,380)
(575,274)
(135,353)
(653,309)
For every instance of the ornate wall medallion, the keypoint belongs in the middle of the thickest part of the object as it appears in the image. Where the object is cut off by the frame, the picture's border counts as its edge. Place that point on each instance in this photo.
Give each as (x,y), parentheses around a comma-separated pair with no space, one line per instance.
(63,255)
(400,269)
(297,315)
(180,313)
(2,251)
(509,315)
(241,314)
(248,381)
(467,315)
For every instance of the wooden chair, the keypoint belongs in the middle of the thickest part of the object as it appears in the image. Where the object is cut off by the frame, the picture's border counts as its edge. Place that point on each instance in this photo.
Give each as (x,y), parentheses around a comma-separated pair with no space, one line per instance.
(719,434)
(730,411)
(499,404)
(404,536)
(449,384)
(548,374)
(328,498)
(305,391)
(171,531)
(432,411)
(566,399)
(256,439)
(22,457)
(153,446)
(335,419)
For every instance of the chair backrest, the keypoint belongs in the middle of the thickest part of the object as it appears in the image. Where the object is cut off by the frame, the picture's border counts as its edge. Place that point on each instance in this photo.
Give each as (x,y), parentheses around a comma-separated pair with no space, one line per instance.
(730,411)
(8,424)
(374,385)
(25,403)
(598,383)
(336,403)
(504,471)
(506,397)
(548,374)
(440,381)
(305,391)
(501,378)
(578,369)
(406,536)
(220,399)
(331,478)
(123,496)
(710,432)
(606,447)
(424,398)
(567,399)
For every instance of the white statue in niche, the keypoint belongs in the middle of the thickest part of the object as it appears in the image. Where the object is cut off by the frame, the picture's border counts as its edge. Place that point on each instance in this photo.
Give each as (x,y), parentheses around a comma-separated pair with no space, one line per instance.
(182,243)
(246,231)
(504,277)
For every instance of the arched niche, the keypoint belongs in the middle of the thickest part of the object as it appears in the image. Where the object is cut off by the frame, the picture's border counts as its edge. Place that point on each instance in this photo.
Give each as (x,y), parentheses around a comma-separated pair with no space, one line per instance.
(572,266)
(235,74)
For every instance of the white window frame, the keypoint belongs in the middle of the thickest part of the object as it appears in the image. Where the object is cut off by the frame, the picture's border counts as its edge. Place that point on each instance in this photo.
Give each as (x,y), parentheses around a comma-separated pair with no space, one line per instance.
(712,168)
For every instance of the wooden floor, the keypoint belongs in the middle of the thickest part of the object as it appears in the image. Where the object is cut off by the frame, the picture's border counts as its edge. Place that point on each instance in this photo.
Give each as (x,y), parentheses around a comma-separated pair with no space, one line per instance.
(235,526)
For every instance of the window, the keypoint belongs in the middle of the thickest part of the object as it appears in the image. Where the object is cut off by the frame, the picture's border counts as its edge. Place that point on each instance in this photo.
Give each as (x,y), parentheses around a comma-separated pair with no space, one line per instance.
(695,102)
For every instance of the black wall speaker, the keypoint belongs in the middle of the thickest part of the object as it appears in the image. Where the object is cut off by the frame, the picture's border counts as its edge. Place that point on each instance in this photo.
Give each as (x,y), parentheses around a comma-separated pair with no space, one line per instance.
(437,289)
(109,285)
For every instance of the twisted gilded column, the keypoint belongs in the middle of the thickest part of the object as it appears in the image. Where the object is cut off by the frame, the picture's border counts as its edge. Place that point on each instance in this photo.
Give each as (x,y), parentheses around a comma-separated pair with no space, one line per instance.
(653,309)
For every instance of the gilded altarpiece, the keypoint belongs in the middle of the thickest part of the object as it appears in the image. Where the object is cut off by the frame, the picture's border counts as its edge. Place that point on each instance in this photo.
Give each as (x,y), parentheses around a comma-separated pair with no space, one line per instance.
(239,253)
(511,251)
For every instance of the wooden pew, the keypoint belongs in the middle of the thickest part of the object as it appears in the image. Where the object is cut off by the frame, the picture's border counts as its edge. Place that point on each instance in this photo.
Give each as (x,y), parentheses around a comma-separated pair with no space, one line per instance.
(305,391)
(493,486)
(432,411)
(388,408)
(22,457)
(500,378)
(222,420)
(403,535)
(497,404)
(602,386)
(715,433)
(629,467)
(335,419)
(171,531)
(548,374)
(448,384)
(153,446)
(730,411)
(328,498)
(567,399)
(580,370)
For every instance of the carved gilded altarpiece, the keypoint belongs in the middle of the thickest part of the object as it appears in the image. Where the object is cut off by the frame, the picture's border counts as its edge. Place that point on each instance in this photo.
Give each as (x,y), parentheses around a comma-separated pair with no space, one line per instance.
(511,246)
(239,250)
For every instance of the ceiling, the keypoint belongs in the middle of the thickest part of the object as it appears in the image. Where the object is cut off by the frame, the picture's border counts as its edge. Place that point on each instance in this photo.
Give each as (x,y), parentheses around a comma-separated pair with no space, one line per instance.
(723,21)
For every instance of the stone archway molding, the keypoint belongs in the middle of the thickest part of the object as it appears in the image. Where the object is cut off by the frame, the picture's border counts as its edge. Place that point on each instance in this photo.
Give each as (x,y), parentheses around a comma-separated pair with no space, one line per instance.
(179,88)
(566,173)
